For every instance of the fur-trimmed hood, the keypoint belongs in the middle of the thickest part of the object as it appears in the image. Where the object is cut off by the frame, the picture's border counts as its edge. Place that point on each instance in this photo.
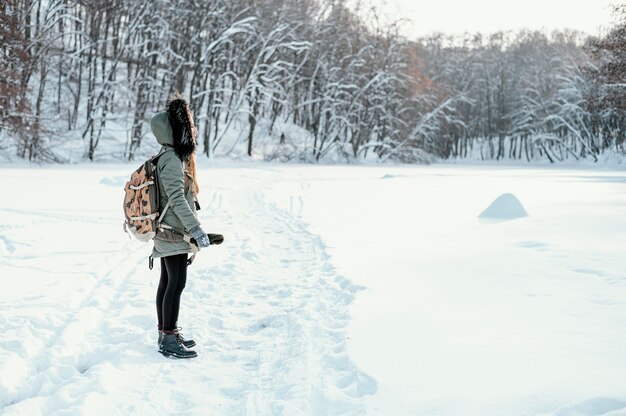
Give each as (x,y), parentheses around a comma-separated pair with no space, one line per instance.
(175,128)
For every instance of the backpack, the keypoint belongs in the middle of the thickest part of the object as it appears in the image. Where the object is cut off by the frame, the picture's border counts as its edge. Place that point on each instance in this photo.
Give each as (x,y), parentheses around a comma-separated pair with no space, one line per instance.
(141,202)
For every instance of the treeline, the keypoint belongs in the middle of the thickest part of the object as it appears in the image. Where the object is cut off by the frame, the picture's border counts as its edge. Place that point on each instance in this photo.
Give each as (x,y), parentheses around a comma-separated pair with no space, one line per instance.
(357,88)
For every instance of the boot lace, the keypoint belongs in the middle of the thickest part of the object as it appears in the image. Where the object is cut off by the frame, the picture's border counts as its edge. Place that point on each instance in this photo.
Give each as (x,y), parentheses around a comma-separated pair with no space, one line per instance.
(179,335)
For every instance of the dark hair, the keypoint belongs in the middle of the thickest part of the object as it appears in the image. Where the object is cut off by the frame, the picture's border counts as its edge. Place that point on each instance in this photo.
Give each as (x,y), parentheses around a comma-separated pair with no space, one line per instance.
(183,129)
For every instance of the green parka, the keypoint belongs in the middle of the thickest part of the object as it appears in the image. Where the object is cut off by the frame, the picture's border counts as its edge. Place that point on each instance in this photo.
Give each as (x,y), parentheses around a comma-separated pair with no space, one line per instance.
(175,185)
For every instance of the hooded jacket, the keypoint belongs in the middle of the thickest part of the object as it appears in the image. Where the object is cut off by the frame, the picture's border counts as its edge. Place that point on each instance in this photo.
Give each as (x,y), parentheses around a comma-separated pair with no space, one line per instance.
(175,185)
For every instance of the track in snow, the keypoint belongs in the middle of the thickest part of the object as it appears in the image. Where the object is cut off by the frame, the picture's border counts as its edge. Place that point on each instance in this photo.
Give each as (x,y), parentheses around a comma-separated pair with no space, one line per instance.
(267,308)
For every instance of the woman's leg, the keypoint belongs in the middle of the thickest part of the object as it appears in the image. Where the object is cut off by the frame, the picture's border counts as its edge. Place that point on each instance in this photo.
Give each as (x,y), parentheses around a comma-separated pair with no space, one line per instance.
(182,280)
(161,293)
(173,278)
(176,268)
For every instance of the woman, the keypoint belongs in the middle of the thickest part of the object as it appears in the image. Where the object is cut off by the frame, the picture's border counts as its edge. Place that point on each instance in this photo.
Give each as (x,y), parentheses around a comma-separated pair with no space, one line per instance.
(178,186)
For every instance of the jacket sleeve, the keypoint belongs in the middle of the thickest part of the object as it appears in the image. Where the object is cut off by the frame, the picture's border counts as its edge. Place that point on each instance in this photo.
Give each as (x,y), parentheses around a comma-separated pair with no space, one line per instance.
(171,177)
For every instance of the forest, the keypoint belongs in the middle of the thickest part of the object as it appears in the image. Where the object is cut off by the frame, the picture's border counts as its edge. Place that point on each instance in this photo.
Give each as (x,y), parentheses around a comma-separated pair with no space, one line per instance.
(356,88)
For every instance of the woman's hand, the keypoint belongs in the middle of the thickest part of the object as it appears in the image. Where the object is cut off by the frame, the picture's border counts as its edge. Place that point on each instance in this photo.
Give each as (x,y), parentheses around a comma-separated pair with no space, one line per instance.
(198,234)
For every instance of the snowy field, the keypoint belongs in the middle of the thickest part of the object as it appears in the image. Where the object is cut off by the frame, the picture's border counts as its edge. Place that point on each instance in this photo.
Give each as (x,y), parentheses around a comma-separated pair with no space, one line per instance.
(340,290)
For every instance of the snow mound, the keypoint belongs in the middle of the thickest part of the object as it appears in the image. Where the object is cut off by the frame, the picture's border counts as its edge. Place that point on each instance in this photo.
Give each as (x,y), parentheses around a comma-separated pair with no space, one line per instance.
(505,207)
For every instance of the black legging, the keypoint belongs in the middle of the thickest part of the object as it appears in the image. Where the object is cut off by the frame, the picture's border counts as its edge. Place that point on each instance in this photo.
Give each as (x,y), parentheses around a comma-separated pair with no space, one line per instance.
(171,285)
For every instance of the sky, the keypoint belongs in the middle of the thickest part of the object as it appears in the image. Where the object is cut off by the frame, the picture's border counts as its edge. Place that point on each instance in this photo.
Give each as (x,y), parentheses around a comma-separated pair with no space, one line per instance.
(488,16)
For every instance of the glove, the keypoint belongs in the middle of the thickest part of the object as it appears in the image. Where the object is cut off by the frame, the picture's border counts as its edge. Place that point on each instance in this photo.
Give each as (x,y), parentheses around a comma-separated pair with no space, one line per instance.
(198,234)
(216,239)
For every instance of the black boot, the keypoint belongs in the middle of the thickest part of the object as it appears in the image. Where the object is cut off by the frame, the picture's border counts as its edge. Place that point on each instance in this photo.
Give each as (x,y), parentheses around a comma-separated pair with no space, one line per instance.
(171,347)
(188,343)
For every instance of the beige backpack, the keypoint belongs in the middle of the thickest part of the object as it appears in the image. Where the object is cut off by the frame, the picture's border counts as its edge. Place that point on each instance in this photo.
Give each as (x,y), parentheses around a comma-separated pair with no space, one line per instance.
(141,202)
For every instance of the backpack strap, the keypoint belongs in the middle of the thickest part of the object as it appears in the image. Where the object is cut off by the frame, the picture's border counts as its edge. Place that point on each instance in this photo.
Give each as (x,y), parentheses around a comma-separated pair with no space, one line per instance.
(154,160)
(163,149)
(194,248)
(162,214)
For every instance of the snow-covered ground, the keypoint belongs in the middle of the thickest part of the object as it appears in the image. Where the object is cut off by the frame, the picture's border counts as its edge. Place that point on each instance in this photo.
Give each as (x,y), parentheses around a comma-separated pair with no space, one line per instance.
(340,290)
